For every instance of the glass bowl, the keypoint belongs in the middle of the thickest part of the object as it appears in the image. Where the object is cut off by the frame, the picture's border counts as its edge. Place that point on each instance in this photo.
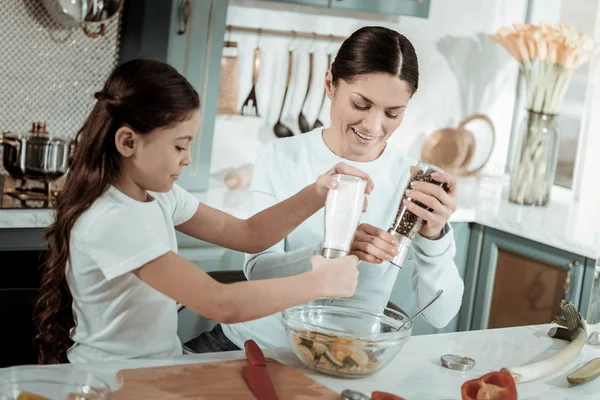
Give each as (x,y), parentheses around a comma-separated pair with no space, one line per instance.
(345,338)
(23,383)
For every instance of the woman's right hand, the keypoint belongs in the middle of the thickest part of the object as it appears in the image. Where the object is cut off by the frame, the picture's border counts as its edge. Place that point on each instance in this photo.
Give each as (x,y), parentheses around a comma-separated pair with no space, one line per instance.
(338,276)
(373,245)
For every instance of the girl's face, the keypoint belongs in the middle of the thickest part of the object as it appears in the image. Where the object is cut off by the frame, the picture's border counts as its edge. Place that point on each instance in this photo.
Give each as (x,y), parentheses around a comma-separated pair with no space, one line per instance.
(364,114)
(154,161)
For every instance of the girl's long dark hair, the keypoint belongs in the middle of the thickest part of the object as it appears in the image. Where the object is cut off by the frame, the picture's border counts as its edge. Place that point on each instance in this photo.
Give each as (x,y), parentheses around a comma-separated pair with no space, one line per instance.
(142,94)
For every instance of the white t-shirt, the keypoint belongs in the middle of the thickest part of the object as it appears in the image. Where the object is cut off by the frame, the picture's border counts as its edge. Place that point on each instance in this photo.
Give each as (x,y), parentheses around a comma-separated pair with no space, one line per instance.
(284,167)
(117,315)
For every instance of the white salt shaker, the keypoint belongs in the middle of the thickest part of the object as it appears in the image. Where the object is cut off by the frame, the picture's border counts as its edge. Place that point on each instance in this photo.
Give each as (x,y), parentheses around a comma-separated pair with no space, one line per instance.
(343,209)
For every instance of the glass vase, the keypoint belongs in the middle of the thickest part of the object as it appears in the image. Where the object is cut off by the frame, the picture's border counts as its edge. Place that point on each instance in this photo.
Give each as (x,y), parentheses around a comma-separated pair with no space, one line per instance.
(532,177)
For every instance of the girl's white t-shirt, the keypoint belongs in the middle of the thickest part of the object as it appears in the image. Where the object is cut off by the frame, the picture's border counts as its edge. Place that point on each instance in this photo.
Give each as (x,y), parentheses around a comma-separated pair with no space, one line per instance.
(117,315)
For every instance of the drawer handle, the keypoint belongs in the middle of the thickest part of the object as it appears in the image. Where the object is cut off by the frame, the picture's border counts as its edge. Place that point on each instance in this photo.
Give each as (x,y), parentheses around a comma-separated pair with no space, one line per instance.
(567,284)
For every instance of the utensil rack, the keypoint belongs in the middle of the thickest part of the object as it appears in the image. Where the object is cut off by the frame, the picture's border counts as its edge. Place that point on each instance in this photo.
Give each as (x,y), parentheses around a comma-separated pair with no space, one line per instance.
(277,32)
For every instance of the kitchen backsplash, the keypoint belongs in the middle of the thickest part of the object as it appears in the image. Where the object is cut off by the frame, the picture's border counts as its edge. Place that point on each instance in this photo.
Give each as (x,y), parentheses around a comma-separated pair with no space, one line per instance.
(49,72)
(461,72)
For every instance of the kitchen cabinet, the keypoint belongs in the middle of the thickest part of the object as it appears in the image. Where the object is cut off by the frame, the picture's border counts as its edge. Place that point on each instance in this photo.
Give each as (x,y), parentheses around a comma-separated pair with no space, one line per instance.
(187,34)
(519,282)
(415,8)
(208,256)
(402,294)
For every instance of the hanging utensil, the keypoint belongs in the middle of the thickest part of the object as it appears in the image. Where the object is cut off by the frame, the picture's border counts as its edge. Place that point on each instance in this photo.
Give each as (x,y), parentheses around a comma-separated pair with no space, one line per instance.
(280,129)
(79,13)
(227,100)
(302,121)
(453,148)
(318,122)
(250,107)
(437,296)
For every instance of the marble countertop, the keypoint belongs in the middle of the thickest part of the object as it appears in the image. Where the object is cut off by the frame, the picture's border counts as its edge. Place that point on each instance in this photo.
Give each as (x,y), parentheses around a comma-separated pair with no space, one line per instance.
(416,372)
(564,223)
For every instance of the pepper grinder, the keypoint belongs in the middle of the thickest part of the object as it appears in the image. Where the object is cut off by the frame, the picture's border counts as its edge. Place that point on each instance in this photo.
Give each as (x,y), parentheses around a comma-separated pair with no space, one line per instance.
(406,225)
(343,209)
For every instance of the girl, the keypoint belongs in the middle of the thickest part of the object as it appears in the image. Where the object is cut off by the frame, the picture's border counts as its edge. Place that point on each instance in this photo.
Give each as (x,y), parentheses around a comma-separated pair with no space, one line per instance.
(370,84)
(113,276)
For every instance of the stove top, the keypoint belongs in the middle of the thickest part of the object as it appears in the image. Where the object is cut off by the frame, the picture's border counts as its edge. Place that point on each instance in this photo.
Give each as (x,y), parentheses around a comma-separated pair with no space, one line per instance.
(27,195)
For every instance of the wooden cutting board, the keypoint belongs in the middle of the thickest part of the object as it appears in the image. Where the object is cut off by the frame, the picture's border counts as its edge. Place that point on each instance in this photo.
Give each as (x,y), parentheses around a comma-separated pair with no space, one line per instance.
(218,380)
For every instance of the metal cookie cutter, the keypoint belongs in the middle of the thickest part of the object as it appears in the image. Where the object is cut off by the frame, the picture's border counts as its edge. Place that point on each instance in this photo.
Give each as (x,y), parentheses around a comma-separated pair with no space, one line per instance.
(458,363)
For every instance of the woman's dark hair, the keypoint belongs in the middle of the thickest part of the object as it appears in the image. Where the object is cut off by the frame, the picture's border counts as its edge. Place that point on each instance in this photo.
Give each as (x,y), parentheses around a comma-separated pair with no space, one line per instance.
(373,49)
(142,94)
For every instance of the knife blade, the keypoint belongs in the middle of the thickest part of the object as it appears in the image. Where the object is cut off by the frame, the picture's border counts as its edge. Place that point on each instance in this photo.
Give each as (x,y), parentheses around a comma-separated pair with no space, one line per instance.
(256,374)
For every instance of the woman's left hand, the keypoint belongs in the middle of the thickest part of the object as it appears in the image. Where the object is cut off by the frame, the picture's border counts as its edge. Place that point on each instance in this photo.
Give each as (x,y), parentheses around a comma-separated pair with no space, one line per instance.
(441,203)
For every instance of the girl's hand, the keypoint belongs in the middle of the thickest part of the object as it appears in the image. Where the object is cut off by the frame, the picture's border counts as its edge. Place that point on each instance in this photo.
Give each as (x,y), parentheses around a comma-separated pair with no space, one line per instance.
(372,244)
(441,203)
(338,277)
(325,182)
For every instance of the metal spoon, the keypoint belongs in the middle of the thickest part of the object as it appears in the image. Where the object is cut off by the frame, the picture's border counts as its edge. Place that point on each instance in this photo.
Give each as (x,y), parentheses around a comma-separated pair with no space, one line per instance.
(349,394)
(302,121)
(318,122)
(437,296)
(280,129)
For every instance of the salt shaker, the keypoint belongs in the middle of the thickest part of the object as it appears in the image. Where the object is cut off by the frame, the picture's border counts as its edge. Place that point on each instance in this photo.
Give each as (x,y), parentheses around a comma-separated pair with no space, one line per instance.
(406,225)
(343,209)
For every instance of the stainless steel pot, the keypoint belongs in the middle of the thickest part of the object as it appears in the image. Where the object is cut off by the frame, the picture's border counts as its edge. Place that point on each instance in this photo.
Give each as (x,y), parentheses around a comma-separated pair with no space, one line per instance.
(79,12)
(35,155)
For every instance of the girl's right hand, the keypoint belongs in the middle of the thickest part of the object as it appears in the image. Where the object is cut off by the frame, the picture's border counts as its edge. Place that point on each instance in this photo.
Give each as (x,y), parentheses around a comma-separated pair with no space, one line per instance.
(325,182)
(338,277)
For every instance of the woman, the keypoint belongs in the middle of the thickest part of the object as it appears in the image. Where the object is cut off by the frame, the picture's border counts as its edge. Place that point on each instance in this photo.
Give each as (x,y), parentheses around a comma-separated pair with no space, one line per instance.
(370,84)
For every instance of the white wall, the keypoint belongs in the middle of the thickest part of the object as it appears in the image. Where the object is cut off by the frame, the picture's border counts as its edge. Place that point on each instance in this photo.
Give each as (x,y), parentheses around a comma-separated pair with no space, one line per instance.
(462,72)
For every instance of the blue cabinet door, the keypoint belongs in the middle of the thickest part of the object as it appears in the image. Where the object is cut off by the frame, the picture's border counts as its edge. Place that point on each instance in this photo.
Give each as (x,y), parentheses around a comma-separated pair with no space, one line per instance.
(195,49)
(521,282)
(187,34)
(590,292)
(415,8)
(403,296)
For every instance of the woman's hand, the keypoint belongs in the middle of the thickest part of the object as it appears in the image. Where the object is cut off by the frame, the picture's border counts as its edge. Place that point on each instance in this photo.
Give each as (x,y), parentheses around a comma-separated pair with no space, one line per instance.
(325,182)
(338,276)
(441,203)
(374,245)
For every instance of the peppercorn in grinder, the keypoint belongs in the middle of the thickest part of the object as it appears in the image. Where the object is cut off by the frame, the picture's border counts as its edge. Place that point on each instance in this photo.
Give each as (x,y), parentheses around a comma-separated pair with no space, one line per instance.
(407,225)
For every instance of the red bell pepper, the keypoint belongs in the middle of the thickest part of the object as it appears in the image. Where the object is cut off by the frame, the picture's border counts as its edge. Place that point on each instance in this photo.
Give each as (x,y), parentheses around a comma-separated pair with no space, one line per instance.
(492,386)
(384,396)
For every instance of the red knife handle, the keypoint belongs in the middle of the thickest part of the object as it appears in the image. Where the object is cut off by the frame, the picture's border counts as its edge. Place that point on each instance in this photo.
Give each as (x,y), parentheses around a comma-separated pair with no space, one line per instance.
(254,354)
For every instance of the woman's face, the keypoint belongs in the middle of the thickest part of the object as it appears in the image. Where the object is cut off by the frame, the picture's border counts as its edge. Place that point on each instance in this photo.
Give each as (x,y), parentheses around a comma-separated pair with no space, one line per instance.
(364,114)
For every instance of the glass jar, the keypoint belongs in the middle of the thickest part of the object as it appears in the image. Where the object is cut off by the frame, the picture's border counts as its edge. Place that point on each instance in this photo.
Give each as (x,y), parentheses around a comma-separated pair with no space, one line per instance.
(407,225)
(532,176)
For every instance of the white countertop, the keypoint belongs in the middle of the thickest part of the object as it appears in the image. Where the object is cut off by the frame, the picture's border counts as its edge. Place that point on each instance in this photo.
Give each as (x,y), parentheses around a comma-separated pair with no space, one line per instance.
(416,372)
(563,223)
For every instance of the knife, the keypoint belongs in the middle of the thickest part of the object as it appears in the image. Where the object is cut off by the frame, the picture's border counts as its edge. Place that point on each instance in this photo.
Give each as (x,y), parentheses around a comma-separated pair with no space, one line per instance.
(256,374)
